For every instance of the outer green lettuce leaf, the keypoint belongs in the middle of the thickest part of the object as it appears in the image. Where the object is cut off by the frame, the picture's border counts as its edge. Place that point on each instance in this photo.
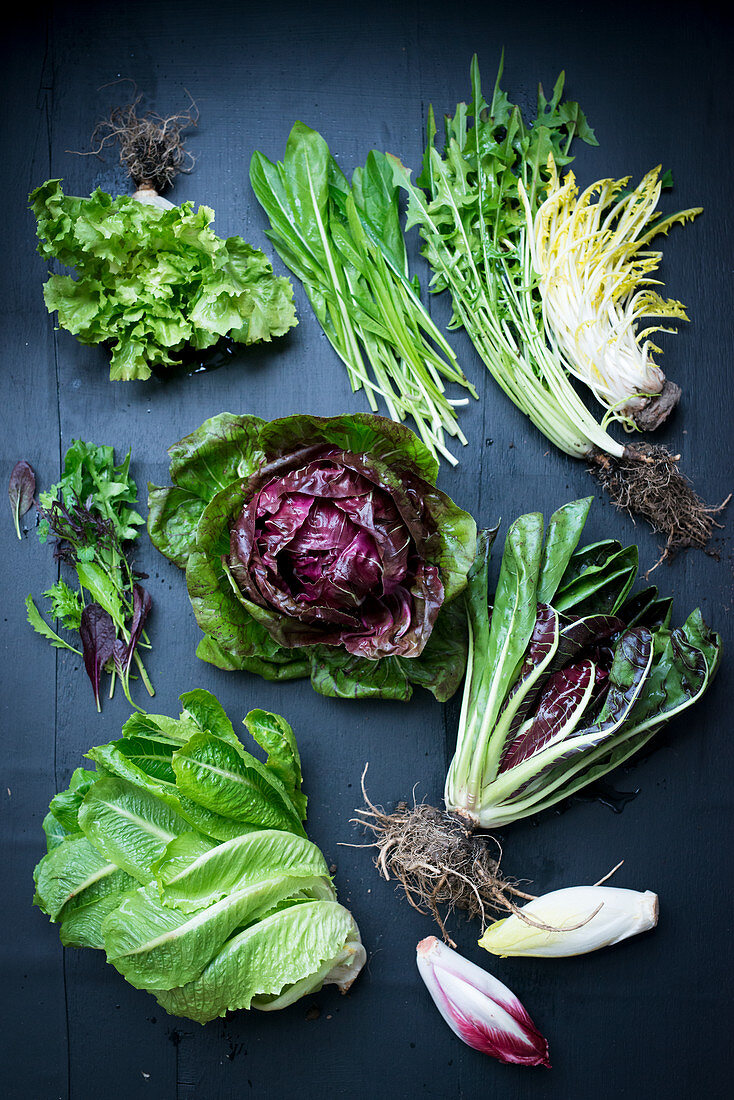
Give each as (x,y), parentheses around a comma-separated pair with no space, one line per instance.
(193,874)
(278,951)
(157,947)
(150,281)
(128,826)
(234,784)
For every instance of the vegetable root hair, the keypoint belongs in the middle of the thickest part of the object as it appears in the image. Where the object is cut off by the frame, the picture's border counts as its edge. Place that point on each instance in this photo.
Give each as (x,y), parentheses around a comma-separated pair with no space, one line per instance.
(440,862)
(152,148)
(647,482)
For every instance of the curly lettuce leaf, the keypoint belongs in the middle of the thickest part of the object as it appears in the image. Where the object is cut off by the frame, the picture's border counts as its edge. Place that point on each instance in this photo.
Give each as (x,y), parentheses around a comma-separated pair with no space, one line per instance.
(150,281)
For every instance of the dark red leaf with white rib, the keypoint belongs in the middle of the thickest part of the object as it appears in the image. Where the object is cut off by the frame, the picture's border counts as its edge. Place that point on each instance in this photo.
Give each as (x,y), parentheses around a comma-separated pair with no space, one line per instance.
(560,709)
(97,632)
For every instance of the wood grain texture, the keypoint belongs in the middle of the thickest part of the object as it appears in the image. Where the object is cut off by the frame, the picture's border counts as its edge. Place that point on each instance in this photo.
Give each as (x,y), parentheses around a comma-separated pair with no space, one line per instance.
(645,1019)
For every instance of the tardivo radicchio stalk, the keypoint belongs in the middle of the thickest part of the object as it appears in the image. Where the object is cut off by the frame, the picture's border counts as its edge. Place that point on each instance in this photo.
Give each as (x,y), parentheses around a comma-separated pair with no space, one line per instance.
(569,674)
(478,1008)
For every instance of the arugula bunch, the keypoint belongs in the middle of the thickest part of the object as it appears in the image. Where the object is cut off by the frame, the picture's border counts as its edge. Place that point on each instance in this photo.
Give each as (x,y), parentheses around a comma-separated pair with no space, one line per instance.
(345,244)
(151,282)
(184,858)
(90,515)
(467,202)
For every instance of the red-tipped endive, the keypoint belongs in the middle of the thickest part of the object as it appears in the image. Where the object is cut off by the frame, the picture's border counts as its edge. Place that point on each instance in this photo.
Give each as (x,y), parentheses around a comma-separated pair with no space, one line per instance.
(479,1008)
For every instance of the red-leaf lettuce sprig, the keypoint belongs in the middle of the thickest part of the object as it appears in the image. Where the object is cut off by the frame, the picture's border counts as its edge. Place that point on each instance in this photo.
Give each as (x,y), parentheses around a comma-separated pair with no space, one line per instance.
(319,547)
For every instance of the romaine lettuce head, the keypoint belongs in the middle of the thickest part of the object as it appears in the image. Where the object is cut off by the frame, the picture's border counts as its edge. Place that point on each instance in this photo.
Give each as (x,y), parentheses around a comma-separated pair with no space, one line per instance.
(319,547)
(150,281)
(185,860)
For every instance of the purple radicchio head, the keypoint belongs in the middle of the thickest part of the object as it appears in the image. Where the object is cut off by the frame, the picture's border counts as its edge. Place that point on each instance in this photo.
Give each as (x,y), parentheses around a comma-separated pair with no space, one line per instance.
(338,545)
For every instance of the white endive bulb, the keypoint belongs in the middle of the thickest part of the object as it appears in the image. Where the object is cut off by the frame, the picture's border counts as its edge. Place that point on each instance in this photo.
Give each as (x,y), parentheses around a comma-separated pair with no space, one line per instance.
(479,1008)
(583,919)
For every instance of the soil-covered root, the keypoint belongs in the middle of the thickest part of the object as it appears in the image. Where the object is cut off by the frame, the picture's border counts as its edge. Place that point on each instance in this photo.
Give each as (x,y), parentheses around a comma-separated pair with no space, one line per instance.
(647,482)
(152,148)
(440,862)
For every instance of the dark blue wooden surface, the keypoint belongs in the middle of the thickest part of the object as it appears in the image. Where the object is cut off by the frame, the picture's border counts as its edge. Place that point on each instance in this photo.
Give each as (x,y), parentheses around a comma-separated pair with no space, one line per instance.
(648,1018)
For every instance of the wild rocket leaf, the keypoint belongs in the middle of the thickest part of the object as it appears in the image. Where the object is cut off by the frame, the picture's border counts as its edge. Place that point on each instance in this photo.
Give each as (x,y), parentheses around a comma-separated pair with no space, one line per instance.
(20,491)
(41,627)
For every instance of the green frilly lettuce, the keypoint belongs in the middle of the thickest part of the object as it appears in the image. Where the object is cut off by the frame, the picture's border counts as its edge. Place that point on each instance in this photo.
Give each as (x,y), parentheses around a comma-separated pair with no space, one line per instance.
(190,520)
(185,860)
(150,282)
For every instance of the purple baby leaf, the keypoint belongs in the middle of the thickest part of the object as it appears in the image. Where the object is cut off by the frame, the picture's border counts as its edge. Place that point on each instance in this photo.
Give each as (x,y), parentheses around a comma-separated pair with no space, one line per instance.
(97,632)
(20,490)
(142,604)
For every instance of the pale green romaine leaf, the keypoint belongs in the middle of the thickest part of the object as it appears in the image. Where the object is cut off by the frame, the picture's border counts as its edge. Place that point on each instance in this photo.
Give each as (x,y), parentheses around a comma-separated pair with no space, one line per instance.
(67,871)
(274,734)
(128,825)
(81,920)
(65,805)
(54,830)
(278,951)
(233,783)
(157,947)
(193,873)
(209,715)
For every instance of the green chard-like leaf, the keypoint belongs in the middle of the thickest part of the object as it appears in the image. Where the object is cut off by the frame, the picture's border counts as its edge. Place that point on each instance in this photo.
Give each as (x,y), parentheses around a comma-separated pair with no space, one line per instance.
(546,713)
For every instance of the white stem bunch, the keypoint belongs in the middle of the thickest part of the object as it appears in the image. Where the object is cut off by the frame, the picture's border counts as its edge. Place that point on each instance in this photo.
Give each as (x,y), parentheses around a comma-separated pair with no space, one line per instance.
(593,263)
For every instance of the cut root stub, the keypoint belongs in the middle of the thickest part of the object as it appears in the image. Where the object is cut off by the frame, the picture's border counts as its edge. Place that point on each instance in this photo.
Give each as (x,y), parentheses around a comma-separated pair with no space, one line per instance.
(440,862)
(152,148)
(647,482)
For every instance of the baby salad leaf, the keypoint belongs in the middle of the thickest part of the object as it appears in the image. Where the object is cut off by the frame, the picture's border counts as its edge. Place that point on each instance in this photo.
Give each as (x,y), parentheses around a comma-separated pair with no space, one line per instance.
(97,632)
(20,491)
